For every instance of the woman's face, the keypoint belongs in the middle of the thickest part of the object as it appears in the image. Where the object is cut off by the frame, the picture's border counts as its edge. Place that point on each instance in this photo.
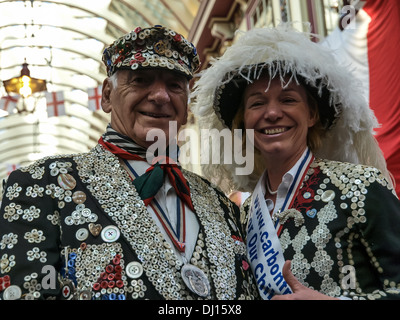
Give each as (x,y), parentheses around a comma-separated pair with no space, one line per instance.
(280,117)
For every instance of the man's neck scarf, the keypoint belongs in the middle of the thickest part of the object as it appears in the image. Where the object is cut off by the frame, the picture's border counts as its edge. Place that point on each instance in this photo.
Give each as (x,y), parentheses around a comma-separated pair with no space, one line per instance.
(148,184)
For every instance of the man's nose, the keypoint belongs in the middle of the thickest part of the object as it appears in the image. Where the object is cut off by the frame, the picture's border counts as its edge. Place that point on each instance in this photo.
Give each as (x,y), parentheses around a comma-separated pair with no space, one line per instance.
(159,93)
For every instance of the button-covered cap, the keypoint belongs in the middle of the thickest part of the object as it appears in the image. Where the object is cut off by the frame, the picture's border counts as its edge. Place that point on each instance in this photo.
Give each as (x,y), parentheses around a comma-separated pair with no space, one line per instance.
(155,47)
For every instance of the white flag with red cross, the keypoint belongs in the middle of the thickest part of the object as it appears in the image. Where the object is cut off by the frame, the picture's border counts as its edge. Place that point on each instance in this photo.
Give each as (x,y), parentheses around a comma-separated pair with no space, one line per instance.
(94,95)
(8,103)
(55,104)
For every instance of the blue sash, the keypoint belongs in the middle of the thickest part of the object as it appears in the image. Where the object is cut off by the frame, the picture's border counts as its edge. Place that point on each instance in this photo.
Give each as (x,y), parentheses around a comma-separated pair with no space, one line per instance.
(263,246)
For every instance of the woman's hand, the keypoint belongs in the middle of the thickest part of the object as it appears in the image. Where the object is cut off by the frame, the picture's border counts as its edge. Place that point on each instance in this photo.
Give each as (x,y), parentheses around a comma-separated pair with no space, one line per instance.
(300,292)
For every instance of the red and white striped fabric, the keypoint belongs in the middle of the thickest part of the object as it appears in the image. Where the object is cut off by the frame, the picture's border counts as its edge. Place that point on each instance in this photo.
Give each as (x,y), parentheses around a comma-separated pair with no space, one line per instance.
(55,104)
(94,95)
(372,47)
(8,103)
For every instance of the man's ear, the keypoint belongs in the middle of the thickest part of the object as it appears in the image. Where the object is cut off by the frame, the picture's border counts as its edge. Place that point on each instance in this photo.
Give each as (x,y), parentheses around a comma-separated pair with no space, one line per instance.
(105,97)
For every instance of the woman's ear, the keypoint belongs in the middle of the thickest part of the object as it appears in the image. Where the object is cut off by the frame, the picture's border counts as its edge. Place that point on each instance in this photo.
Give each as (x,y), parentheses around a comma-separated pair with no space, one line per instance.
(313,119)
(106,96)
(314,112)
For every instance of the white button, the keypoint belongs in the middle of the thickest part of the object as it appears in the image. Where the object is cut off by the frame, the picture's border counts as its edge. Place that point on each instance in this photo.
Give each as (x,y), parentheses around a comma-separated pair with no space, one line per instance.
(82,234)
(328,195)
(134,270)
(307,195)
(12,293)
(110,233)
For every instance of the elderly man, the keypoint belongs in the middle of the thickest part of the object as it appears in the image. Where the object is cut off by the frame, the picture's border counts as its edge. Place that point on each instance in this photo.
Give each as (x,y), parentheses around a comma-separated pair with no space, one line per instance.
(109,225)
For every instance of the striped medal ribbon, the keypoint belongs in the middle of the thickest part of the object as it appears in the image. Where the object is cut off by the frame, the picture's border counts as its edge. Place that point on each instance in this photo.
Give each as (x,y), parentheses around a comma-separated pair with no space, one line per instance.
(178,234)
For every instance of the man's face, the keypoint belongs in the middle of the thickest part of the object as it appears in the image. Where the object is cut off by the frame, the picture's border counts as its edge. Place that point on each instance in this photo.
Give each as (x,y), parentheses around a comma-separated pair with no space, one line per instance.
(144,100)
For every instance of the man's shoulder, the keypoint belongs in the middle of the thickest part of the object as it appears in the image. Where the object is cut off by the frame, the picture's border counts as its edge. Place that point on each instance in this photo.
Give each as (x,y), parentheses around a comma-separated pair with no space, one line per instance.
(198,181)
(53,164)
(53,160)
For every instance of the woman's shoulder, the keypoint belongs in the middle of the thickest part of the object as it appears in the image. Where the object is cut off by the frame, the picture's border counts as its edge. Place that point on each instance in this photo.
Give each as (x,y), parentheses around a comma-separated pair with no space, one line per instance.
(345,167)
(348,172)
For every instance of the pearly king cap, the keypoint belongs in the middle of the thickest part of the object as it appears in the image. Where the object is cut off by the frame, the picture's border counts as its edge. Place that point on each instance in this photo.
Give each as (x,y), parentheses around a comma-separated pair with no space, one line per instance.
(154,47)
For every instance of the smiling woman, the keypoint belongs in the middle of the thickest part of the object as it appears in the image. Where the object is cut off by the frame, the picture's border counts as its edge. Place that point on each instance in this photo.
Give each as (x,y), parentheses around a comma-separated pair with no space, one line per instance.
(323,195)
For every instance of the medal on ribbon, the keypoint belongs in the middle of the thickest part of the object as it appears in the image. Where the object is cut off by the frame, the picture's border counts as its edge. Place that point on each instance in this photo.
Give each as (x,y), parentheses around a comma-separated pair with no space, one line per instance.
(196,280)
(193,277)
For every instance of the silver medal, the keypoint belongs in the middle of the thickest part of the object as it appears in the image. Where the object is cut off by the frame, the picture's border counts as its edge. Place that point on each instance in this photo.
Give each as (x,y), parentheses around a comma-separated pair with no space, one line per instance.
(196,280)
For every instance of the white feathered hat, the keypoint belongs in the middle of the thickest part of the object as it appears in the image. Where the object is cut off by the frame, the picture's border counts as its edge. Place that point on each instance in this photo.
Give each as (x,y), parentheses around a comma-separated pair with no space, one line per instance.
(284,51)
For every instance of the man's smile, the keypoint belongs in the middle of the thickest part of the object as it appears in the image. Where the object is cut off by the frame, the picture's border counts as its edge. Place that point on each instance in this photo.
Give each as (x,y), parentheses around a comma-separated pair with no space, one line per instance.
(155,115)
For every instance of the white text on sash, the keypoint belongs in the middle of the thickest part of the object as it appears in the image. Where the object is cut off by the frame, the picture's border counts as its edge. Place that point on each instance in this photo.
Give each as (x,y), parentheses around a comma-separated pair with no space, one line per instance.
(265,252)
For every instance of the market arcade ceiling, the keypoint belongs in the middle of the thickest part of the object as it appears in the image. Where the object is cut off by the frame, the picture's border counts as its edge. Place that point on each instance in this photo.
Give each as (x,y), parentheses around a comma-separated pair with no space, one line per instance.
(61,42)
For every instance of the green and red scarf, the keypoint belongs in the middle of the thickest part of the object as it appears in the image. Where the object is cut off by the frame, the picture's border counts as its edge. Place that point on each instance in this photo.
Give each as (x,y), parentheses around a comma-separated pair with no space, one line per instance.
(148,184)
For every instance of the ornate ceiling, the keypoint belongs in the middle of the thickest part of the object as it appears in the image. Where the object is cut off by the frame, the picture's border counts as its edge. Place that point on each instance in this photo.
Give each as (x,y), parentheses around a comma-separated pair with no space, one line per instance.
(62,41)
